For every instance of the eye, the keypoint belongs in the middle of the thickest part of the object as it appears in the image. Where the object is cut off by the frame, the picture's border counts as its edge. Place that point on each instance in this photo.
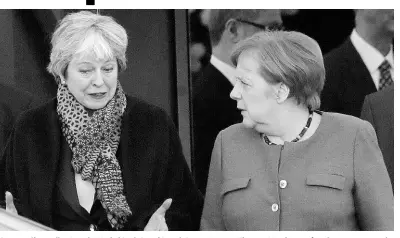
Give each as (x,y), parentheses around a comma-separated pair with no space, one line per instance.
(108,69)
(85,71)
(243,80)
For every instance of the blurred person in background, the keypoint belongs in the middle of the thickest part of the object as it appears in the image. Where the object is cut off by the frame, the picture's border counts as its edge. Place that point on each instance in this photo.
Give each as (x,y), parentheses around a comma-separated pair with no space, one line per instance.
(378,109)
(95,158)
(363,64)
(289,166)
(213,109)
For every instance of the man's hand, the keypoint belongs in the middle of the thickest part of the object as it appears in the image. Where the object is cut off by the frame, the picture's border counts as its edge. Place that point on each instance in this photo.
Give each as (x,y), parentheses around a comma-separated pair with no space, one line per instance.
(157,220)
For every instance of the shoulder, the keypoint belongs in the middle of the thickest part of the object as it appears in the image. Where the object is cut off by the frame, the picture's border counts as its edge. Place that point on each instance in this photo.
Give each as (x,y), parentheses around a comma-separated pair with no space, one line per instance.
(39,116)
(344,124)
(140,106)
(340,52)
(383,95)
(141,112)
(238,134)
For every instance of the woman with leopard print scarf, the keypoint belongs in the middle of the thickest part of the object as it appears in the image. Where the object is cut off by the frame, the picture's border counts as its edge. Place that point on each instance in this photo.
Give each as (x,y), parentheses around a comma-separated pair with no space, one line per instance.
(118,163)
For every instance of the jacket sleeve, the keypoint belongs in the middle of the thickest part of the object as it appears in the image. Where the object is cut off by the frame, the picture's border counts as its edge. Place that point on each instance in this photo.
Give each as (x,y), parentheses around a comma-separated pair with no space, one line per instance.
(366,112)
(174,180)
(8,178)
(211,218)
(373,192)
(185,212)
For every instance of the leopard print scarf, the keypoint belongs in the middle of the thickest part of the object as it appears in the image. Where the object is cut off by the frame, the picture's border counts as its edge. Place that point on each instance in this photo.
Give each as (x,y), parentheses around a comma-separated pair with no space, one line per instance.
(94,142)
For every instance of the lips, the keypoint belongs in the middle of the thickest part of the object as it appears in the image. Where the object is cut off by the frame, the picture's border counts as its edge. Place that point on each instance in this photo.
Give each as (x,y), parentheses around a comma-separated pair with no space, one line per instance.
(97,95)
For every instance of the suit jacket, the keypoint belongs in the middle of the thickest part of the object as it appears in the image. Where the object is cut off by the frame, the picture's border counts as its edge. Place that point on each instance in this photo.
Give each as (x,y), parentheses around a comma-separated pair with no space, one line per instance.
(378,109)
(149,153)
(213,110)
(68,214)
(347,81)
(12,103)
(334,180)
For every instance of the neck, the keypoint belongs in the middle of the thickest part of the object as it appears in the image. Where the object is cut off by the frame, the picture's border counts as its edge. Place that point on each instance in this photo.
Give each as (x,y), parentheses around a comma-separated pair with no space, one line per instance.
(381,41)
(222,53)
(289,123)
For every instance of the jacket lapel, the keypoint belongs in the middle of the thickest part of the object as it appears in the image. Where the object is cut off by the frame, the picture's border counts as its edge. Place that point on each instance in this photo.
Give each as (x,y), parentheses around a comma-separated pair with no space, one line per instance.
(358,71)
(66,180)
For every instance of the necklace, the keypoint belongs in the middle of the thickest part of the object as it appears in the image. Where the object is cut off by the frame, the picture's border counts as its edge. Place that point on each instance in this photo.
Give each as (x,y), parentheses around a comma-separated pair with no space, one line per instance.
(266,140)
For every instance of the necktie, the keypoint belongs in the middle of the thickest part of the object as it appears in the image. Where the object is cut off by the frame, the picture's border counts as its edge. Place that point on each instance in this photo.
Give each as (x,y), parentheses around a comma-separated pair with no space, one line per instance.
(386,78)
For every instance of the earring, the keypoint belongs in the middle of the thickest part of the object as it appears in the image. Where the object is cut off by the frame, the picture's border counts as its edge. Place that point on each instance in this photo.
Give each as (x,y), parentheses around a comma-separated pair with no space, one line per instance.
(62,81)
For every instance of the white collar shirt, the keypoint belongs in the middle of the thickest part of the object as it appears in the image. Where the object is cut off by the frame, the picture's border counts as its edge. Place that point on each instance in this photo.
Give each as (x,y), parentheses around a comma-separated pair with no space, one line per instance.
(371,57)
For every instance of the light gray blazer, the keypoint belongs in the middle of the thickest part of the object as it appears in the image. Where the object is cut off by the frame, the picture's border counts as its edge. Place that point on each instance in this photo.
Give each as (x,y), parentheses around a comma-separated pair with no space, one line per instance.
(335,180)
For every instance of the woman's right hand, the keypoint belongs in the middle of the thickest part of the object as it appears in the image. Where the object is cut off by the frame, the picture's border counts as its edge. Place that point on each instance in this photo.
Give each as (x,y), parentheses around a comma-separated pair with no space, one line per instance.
(157,221)
(10,207)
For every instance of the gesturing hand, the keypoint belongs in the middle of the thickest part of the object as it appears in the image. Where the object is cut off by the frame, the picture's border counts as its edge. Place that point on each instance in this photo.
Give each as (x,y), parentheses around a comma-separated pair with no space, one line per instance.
(10,204)
(157,220)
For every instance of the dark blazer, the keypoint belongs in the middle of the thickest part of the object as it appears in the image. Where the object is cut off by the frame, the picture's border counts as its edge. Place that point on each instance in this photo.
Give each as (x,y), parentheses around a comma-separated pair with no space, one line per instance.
(12,103)
(150,155)
(213,110)
(347,82)
(378,109)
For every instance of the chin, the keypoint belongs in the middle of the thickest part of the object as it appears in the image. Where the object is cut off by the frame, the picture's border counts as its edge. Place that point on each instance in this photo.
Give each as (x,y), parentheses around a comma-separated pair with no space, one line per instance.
(248,123)
(95,105)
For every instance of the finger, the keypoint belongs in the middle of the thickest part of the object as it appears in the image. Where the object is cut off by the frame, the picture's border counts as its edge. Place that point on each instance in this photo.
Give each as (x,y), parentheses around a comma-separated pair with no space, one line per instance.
(10,203)
(164,207)
(162,224)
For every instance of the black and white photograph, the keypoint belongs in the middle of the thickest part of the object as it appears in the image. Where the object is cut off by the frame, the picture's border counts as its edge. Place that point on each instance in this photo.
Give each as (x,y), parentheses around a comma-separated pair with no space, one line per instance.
(197,119)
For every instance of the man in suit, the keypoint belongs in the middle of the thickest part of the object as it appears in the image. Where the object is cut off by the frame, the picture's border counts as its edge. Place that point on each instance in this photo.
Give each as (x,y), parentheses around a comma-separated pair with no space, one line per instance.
(378,109)
(363,64)
(12,102)
(213,109)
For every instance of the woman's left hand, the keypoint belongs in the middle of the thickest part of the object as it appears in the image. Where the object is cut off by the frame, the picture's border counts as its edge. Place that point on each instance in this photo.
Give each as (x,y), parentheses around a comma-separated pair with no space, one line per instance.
(157,220)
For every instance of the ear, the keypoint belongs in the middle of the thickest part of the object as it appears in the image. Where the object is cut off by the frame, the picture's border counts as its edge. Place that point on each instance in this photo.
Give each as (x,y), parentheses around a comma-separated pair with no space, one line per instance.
(232,27)
(282,93)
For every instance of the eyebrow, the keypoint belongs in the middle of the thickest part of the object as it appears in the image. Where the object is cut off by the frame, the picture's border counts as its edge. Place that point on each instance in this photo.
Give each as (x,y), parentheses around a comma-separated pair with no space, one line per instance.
(88,62)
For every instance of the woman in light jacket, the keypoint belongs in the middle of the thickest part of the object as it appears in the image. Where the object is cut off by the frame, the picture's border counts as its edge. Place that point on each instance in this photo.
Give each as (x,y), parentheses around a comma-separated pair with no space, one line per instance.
(288,166)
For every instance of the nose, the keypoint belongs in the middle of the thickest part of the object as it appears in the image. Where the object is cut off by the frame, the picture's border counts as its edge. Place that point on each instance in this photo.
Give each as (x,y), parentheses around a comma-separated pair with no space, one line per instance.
(98,79)
(236,93)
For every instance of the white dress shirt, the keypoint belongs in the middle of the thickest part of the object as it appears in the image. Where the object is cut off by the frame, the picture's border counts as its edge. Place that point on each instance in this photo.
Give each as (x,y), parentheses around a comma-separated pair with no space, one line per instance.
(227,70)
(371,56)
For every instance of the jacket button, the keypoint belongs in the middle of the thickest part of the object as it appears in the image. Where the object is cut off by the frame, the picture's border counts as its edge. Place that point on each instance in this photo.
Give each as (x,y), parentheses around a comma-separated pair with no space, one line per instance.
(275,207)
(283,184)
(92,227)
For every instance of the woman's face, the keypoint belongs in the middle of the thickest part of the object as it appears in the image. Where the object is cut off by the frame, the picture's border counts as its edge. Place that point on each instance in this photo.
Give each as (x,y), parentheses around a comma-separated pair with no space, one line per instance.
(255,97)
(93,82)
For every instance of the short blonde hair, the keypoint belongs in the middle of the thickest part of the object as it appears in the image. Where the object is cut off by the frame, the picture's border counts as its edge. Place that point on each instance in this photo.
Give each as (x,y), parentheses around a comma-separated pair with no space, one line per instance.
(291,58)
(72,31)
